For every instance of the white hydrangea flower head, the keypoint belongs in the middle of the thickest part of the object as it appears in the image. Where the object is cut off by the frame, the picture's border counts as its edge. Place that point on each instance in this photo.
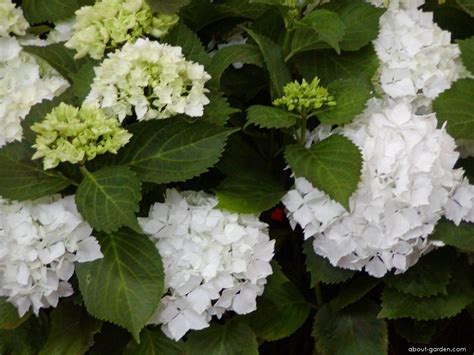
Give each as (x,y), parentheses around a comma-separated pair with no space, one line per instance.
(418,59)
(152,78)
(24,82)
(11,19)
(214,260)
(406,183)
(397,4)
(39,243)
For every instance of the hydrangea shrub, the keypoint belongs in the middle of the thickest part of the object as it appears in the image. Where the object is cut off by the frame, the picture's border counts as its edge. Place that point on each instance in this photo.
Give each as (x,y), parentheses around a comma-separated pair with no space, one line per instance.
(236,176)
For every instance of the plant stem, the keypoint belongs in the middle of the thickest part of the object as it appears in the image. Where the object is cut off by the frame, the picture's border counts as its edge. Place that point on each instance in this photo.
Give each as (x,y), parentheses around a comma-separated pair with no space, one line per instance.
(302,129)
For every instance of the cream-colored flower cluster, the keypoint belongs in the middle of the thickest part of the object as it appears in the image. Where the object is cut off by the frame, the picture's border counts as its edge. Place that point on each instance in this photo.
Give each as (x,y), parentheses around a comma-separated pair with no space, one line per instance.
(110,23)
(149,79)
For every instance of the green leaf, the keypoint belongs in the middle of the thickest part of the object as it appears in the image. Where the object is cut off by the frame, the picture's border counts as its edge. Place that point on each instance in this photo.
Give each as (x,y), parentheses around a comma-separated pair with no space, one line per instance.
(467,5)
(125,286)
(167,6)
(329,66)
(275,61)
(418,332)
(24,179)
(82,80)
(304,40)
(249,192)
(72,331)
(280,311)
(332,165)
(173,150)
(218,111)
(321,269)
(9,318)
(58,56)
(461,237)
(353,330)
(270,117)
(153,341)
(200,14)
(456,107)
(327,25)
(181,35)
(361,20)
(428,277)
(26,339)
(36,11)
(353,292)
(351,96)
(224,57)
(109,198)
(232,338)
(396,304)
(467,52)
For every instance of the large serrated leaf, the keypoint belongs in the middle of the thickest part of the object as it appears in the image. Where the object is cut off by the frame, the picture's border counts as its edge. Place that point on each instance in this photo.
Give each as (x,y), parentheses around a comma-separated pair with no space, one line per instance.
(232,338)
(351,96)
(321,269)
(242,53)
(361,20)
(419,332)
(153,341)
(456,107)
(355,290)
(461,237)
(37,11)
(332,165)
(280,311)
(329,66)
(270,117)
(327,25)
(108,198)
(249,192)
(72,331)
(353,330)
(125,286)
(396,304)
(275,61)
(26,339)
(24,179)
(428,277)
(172,150)
(180,35)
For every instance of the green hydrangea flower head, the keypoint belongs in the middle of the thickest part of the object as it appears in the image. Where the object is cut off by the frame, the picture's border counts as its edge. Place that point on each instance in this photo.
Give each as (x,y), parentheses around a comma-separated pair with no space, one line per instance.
(110,23)
(11,19)
(70,134)
(305,97)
